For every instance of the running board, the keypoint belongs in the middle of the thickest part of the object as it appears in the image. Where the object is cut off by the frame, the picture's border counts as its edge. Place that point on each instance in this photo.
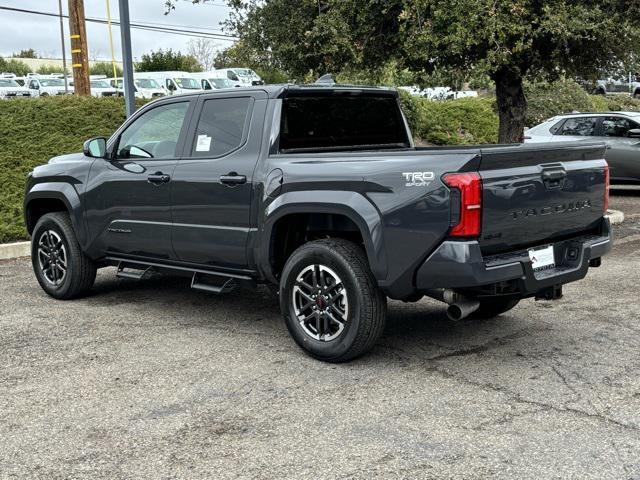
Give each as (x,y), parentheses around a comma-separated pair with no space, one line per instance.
(134,272)
(228,285)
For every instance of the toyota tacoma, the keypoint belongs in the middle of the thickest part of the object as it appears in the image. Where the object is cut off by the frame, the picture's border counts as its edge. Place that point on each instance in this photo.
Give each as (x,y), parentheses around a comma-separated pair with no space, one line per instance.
(319,192)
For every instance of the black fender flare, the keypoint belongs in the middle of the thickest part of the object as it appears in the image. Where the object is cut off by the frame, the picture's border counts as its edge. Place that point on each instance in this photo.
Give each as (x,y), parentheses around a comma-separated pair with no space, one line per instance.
(352,205)
(67,195)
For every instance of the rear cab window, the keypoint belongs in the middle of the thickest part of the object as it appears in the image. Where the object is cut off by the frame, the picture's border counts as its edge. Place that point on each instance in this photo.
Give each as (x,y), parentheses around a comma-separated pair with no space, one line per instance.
(326,121)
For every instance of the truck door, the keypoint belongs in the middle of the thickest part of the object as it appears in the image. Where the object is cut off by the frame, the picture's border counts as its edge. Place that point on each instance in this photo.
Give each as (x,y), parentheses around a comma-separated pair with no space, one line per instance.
(214,180)
(128,205)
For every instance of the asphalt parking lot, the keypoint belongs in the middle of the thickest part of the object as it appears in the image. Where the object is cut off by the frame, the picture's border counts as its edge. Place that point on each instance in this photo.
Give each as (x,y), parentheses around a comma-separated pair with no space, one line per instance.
(153,380)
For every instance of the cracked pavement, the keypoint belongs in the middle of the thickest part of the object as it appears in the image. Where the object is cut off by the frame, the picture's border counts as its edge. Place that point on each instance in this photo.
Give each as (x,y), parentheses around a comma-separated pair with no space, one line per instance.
(153,380)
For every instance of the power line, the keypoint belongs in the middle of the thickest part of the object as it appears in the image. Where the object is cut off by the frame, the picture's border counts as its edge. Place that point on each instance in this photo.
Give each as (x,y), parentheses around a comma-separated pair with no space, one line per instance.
(138,26)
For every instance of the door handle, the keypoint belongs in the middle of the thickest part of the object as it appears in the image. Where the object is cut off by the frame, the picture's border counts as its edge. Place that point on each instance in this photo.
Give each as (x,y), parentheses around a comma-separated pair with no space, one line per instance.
(232,178)
(158,178)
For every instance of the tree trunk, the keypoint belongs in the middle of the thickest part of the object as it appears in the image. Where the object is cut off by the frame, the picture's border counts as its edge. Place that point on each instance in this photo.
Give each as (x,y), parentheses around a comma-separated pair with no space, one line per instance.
(512,105)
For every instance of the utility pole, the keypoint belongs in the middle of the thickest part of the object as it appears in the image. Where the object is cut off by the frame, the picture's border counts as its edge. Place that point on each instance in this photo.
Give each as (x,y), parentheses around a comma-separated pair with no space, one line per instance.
(64,54)
(79,51)
(127,59)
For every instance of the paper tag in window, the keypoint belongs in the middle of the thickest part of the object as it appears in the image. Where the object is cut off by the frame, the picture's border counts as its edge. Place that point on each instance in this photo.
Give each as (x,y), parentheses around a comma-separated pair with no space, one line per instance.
(203,144)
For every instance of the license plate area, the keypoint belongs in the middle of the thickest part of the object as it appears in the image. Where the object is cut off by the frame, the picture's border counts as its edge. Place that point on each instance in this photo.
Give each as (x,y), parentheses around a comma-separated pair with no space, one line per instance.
(542,258)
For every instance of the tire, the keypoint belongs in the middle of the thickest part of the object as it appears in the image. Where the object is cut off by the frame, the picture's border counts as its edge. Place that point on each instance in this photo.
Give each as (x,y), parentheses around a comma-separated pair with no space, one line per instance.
(493,306)
(359,306)
(54,238)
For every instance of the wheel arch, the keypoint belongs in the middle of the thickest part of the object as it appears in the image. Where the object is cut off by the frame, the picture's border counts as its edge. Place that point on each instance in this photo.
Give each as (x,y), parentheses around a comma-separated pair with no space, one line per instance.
(45,198)
(354,208)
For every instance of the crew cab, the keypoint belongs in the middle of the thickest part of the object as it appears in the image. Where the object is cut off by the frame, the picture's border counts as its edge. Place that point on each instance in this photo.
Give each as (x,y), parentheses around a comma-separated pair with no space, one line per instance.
(319,192)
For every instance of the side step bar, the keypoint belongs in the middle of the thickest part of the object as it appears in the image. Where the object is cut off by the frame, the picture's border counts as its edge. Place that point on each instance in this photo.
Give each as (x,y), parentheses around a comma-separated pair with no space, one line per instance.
(228,285)
(206,280)
(134,272)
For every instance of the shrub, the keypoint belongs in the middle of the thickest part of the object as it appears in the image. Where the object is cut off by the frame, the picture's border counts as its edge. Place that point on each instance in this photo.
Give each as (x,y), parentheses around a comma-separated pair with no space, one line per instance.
(463,121)
(104,68)
(49,69)
(14,66)
(546,99)
(33,131)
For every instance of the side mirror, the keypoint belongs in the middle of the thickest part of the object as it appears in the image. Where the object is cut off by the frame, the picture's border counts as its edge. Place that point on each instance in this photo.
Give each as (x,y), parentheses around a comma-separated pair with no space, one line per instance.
(95,147)
(634,133)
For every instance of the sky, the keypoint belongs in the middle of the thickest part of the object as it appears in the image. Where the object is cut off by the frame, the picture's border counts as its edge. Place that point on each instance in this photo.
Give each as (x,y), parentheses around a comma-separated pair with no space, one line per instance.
(23,31)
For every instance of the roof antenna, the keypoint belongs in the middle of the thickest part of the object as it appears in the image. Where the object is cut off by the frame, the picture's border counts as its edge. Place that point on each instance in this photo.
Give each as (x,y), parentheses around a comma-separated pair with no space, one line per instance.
(326,78)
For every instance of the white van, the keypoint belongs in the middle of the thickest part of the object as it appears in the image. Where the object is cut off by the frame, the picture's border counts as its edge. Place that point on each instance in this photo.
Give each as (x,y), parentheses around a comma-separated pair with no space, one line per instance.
(242,77)
(144,87)
(214,80)
(172,82)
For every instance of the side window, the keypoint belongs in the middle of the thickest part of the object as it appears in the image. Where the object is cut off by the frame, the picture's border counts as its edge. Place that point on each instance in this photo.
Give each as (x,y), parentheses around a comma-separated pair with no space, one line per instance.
(232,76)
(154,134)
(617,126)
(556,127)
(170,85)
(221,126)
(205,84)
(579,126)
(33,85)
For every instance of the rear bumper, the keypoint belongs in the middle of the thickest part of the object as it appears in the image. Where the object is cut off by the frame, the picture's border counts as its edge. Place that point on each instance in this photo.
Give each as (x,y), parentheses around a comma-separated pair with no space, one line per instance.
(461,265)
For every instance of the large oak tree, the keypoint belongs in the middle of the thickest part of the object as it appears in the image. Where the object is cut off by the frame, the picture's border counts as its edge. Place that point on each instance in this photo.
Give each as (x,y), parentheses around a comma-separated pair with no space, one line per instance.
(507,39)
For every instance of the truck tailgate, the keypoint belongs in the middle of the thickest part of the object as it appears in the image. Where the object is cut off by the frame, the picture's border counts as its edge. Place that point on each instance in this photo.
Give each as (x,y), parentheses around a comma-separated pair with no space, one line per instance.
(535,194)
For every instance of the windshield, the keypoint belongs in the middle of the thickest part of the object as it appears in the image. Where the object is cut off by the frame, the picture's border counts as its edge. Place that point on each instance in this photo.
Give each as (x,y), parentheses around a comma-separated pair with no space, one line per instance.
(187,83)
(221,82)
(52,82)
(243,72)
(100,84)
(8,83)
(147,83)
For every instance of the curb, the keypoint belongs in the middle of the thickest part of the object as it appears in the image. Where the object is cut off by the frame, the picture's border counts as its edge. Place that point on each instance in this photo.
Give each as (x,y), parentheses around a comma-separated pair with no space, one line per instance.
(15,250)
(615,216)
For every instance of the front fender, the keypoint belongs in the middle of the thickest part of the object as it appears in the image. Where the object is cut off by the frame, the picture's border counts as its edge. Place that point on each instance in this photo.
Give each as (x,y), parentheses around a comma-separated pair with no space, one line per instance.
(64,192)
(350,204)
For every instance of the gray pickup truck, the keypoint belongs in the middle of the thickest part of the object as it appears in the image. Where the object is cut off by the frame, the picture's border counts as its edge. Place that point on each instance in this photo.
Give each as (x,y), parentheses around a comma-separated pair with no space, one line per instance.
(318,191)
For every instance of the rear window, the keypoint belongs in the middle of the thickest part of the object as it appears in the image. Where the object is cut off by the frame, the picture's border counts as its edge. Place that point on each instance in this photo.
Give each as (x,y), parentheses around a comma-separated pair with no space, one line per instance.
(579,126)
(338,122)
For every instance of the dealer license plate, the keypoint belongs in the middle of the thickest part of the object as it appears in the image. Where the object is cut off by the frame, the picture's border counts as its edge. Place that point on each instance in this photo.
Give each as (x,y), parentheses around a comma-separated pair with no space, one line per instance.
(542,258)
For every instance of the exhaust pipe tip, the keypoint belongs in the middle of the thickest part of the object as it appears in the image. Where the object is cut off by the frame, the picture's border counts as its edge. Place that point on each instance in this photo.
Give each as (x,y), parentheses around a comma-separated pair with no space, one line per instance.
(459,310)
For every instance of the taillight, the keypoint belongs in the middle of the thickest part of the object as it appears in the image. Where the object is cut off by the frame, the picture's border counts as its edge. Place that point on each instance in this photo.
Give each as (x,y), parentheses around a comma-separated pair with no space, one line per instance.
(469,186)
(607,186)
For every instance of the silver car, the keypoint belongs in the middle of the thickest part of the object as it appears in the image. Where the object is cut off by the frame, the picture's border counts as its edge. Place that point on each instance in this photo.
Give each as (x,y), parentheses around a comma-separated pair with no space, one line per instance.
(619,130)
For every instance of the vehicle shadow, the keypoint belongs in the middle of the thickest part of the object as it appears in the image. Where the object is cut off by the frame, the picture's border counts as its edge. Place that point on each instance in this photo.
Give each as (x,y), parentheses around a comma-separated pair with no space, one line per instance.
(420,330)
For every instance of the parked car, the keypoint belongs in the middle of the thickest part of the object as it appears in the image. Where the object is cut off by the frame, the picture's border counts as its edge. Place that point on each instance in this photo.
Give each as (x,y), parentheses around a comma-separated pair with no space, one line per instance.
(214,80)
(319,192)
(144,87)
(45,86)
(172,82)
(619,86)
(619,130)
(9,89)
(242,77)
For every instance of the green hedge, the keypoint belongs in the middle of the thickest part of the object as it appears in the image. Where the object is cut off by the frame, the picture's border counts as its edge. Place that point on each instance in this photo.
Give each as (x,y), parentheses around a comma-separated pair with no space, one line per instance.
(34,130)
(463,121)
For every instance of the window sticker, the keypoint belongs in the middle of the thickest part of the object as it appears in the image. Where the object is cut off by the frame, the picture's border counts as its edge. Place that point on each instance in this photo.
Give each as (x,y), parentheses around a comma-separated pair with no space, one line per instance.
(203,144)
